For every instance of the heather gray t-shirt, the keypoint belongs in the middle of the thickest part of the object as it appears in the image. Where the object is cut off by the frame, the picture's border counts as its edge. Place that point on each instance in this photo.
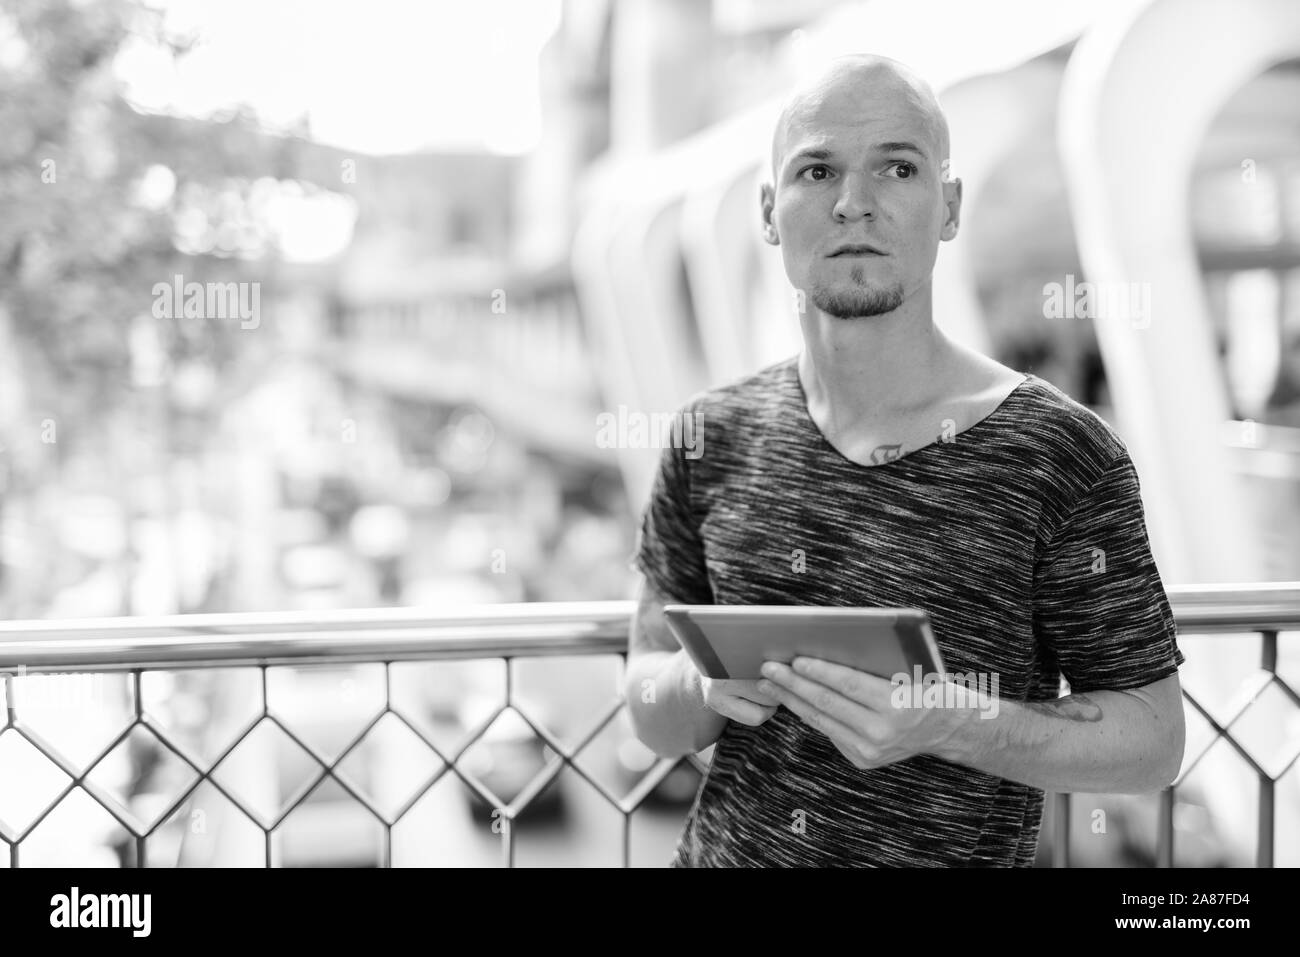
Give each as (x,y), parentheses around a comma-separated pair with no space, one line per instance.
(1023,537)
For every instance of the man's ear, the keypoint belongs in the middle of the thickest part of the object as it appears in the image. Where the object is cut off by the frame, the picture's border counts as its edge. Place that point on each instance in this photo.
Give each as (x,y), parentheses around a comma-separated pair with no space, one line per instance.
(952,204)
(767,203)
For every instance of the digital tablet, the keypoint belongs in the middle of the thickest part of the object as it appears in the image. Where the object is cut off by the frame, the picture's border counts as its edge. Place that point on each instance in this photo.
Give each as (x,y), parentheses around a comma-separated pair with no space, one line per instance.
(733,641)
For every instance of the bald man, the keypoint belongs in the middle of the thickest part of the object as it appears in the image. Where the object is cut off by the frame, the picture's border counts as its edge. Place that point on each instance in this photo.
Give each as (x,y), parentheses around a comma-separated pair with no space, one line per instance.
(888,466)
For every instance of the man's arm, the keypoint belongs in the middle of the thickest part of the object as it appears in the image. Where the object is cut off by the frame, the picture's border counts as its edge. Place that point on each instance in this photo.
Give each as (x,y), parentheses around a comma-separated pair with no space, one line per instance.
(663,691)
(1101,741)
(1105,742)
(675,710)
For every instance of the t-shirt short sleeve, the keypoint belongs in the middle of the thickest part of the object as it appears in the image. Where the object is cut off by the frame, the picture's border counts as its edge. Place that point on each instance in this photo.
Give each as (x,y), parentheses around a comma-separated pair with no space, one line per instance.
(669,550)
(1099,603)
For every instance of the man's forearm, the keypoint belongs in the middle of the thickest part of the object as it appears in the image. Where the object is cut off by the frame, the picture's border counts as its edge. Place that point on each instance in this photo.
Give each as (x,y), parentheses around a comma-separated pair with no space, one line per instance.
(667,704)
(1105,742)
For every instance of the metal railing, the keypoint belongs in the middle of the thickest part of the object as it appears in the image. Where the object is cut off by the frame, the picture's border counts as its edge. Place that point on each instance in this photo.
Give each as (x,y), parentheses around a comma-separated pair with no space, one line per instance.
(1263,608)
(136,646)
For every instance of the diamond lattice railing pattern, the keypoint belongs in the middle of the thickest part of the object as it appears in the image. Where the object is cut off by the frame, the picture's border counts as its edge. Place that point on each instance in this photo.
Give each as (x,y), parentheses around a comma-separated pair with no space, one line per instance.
(261,757)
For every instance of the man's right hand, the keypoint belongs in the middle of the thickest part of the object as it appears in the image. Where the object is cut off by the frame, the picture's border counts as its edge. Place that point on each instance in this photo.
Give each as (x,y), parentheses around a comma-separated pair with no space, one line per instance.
(676,710)
(738,699)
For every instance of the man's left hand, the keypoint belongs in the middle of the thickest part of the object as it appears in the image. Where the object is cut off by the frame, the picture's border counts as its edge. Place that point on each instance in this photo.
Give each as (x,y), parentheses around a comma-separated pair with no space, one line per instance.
(855,710)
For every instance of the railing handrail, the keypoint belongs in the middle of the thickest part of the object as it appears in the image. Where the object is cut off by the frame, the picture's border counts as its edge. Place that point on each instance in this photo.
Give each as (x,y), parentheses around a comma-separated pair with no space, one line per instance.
(473,631)
(352,635)
(1239,606)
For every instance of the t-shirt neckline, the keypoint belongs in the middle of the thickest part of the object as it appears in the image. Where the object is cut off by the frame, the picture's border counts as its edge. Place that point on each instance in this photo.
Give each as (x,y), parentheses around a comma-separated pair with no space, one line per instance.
(801,400)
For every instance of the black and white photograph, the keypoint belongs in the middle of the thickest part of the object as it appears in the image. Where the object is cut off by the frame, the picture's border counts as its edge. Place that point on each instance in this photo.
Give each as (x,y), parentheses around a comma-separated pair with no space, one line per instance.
(649,434)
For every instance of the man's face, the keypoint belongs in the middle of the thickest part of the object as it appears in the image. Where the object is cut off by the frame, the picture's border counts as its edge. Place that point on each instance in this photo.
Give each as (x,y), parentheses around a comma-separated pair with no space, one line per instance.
(859,203)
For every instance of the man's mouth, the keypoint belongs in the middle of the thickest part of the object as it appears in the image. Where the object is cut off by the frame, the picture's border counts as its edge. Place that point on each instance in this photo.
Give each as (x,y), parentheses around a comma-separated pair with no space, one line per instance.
(856,249)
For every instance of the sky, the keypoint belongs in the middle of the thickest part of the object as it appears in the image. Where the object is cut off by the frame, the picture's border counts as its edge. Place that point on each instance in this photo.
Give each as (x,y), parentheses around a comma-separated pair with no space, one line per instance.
(373,76)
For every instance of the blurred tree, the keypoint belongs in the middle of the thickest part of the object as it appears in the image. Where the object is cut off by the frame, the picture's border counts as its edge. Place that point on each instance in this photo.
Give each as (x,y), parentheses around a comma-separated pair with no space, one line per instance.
(93,194)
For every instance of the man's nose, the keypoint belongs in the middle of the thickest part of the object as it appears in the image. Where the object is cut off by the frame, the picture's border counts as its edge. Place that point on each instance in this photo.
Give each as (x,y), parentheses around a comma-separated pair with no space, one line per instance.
(855,200)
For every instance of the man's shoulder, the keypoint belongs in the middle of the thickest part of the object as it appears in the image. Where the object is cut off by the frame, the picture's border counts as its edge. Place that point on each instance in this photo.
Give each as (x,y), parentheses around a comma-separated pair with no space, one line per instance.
(1062,444)
(1066,430)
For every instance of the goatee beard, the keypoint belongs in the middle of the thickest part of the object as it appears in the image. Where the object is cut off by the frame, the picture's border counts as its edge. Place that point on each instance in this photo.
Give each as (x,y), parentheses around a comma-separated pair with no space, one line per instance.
(857,303)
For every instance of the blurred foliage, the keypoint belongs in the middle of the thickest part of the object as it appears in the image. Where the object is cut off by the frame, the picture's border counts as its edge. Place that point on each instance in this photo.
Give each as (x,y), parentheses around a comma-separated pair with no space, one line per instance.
(81,243)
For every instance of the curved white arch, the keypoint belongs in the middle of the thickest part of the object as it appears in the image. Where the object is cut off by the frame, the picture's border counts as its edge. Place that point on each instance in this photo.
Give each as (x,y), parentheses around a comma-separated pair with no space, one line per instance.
(988,117)
(1137,99)
(614,360)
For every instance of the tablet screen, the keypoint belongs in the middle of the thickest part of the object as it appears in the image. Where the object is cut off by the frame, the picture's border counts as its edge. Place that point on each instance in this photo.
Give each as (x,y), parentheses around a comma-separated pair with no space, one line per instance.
(733,641)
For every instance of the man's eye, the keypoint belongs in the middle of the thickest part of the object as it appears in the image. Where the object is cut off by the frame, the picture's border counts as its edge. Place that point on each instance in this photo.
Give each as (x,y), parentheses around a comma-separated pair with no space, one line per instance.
(909,169)
(815,173)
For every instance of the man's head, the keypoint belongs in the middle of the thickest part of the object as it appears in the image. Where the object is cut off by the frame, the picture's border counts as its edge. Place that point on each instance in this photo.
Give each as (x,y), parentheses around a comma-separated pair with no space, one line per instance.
(859,197)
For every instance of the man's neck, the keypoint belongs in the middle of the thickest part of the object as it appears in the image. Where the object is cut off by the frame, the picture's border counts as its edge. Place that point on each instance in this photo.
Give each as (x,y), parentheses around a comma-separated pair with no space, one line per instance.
(872,370)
